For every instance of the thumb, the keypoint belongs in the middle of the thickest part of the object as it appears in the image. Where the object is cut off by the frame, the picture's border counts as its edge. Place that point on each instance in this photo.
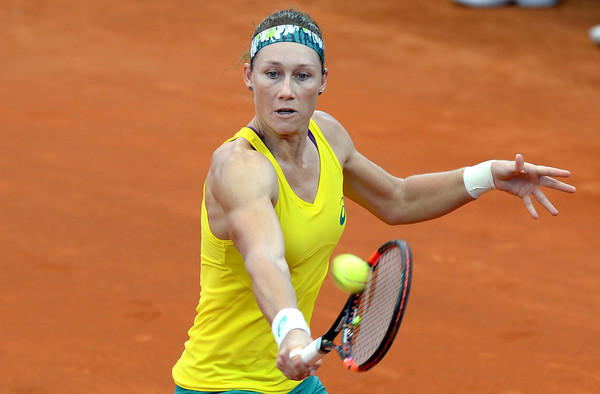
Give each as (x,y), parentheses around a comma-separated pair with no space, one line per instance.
(520,164)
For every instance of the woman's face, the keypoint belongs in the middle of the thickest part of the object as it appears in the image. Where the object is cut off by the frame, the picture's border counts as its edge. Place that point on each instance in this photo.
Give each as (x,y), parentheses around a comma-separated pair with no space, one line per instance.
(286,79)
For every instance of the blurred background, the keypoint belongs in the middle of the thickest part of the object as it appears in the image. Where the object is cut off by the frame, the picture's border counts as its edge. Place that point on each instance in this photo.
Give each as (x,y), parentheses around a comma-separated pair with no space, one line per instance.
(110,112)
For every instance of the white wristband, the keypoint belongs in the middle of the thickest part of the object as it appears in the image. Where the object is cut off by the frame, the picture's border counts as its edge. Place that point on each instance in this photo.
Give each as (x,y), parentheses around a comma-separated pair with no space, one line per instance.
(478,179)
(286,320)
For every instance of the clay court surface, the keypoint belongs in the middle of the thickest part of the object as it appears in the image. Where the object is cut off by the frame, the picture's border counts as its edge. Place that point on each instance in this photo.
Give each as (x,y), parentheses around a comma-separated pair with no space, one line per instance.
(110,111)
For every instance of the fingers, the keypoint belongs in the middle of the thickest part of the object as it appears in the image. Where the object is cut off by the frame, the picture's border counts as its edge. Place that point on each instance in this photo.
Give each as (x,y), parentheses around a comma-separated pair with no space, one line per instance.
(552,172)
(289,359)
(542,199)
(529,206)
(295,353)
(522,167)
(551,183)
(294,368)
(526,181)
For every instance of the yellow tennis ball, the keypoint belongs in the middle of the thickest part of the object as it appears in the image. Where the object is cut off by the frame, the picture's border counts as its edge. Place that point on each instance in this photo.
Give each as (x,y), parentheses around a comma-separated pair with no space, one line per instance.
(350,273)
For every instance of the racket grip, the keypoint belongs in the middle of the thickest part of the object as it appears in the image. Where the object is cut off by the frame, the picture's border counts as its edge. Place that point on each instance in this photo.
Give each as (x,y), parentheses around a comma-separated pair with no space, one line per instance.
(312,353)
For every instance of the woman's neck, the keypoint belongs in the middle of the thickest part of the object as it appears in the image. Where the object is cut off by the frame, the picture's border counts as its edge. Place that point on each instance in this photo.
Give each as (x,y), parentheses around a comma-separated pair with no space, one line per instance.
(288,147)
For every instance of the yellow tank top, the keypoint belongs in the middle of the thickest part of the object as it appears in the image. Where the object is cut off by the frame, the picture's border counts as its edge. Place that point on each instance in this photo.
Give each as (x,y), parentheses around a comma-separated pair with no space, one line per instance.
(231,345)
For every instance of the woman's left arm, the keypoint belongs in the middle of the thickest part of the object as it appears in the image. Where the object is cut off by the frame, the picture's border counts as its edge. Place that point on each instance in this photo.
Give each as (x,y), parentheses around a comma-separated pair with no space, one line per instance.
(395,200)
(427,196)
(423,197)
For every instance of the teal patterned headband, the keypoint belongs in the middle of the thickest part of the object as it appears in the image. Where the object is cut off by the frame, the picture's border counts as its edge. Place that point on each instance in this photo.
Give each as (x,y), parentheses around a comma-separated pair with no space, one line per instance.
(288,33)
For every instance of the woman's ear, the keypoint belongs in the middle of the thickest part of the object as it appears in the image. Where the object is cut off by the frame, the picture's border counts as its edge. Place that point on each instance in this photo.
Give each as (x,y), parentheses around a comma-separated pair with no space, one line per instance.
(323,81)
(247,75)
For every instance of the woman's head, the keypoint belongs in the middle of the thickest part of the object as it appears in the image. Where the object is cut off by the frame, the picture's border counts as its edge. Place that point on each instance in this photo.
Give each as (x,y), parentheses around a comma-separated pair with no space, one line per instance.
(286,71)
(288,26)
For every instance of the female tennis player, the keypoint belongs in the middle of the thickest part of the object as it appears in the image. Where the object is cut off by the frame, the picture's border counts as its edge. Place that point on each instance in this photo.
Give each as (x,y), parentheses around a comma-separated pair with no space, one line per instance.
(273,211)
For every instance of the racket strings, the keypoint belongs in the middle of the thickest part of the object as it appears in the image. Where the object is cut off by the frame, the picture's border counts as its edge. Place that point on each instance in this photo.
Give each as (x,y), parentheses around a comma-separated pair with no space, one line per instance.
(377,307)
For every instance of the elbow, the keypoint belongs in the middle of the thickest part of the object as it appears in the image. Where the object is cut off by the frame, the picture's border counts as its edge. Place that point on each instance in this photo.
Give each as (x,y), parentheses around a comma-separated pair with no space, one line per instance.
(393,217)
(395,209)
(397,220)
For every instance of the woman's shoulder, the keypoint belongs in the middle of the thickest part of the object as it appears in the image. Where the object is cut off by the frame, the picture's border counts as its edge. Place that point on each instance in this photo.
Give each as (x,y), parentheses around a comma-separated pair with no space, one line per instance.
(329,125)
(239,156)
(325,121)
(335,134)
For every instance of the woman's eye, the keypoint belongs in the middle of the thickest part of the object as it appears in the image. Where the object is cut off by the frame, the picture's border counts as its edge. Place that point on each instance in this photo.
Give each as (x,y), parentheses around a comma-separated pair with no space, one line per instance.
(272,74)
(303,76)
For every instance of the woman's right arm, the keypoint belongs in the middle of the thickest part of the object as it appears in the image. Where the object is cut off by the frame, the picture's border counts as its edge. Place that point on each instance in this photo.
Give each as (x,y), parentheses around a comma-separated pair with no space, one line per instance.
(241,192)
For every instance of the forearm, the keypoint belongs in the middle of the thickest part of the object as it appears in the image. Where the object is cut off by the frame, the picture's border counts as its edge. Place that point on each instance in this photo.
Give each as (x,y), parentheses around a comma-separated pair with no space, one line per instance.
(429,196)
(276,297)
(272,286)
(400,201)
(257,235)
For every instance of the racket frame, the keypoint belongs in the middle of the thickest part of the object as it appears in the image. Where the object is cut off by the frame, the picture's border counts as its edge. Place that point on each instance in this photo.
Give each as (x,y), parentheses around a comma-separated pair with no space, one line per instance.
(344,322)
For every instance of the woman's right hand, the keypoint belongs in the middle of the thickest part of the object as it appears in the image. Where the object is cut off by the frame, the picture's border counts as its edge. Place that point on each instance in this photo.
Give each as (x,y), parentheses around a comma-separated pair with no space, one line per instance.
(295,368)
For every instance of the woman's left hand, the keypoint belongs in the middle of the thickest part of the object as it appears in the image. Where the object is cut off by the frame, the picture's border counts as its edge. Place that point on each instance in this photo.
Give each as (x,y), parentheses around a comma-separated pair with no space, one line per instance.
(524,180)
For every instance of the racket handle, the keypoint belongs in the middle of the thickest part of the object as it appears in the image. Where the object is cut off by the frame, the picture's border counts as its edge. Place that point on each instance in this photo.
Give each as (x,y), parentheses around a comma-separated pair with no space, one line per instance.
(312,353)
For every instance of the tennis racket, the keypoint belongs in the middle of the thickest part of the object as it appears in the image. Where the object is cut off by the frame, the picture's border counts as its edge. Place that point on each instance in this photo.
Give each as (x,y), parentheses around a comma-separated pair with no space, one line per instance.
(370,320)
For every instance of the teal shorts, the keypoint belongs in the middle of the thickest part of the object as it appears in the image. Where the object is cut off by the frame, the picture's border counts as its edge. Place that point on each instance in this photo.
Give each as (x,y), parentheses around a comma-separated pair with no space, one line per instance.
(310,385)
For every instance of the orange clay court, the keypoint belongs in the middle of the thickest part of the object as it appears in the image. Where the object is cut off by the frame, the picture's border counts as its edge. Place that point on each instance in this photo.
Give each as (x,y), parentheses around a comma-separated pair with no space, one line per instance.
(109,114)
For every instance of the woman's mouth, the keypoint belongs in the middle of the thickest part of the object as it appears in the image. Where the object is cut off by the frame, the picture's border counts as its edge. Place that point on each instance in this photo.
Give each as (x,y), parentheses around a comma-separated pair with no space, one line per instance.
(285,111)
